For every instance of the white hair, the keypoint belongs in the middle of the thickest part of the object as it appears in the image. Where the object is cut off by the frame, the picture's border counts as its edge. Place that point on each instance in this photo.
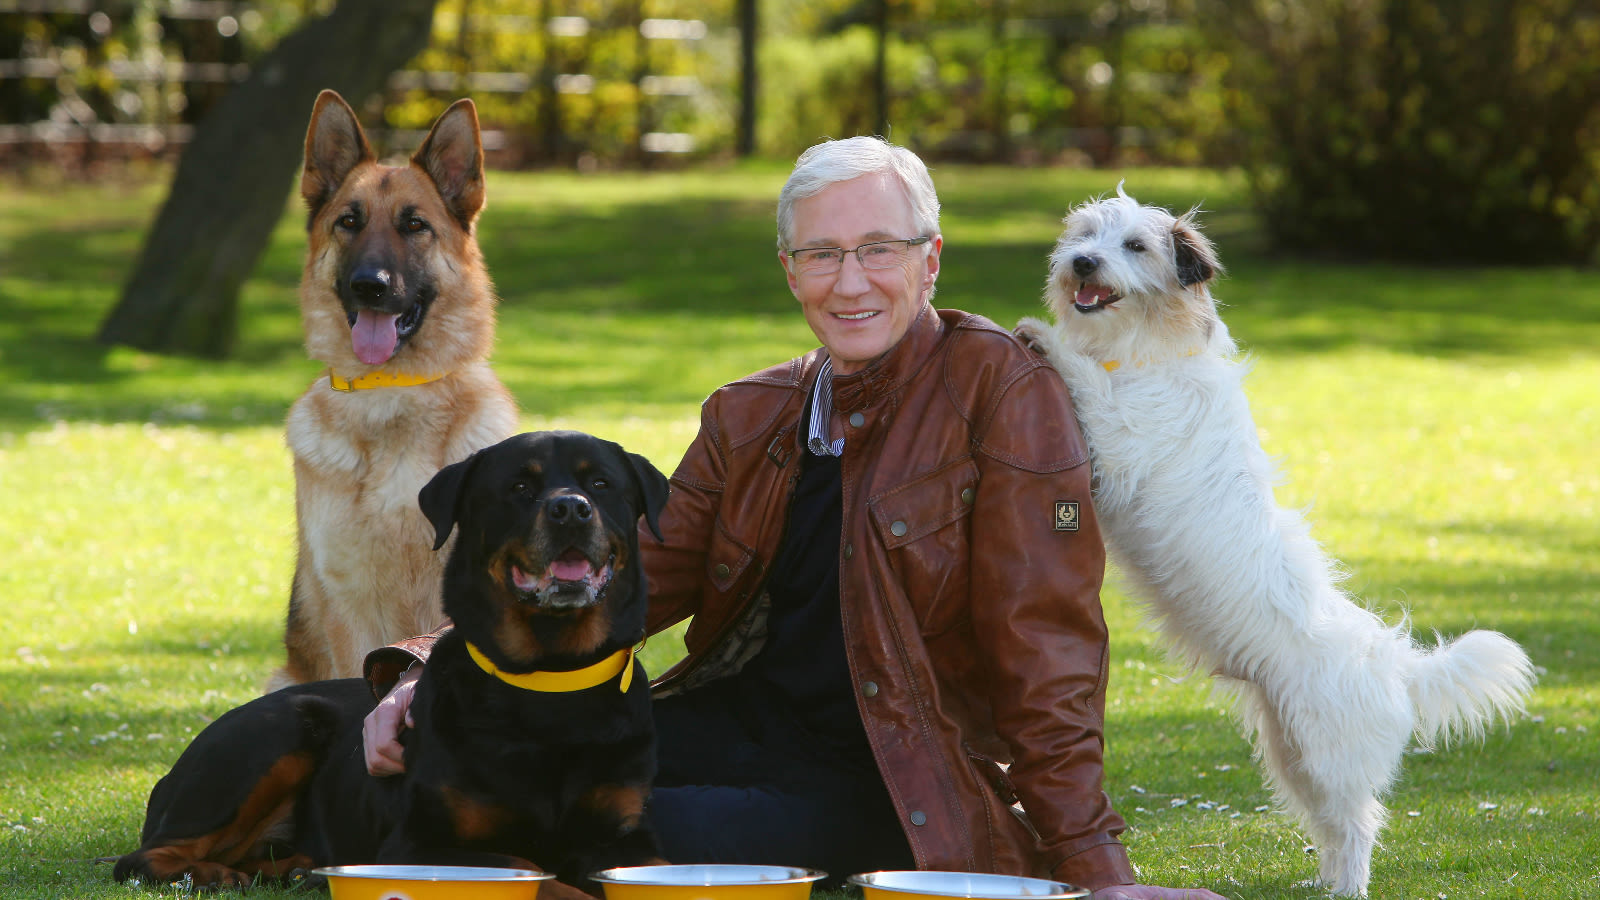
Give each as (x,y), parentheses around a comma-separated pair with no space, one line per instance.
(831,162)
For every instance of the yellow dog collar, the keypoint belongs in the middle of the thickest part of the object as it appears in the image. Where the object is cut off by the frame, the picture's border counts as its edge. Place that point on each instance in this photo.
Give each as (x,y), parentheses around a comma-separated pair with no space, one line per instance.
(379,379)
(1111,365)
(618,663)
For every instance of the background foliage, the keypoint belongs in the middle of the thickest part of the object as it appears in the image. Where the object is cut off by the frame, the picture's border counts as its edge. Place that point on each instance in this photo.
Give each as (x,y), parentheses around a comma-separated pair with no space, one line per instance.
(1421,129)
(1415,129)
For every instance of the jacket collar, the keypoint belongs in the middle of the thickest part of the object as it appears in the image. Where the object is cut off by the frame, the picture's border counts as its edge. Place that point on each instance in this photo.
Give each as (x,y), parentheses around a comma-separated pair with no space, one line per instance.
(894,368)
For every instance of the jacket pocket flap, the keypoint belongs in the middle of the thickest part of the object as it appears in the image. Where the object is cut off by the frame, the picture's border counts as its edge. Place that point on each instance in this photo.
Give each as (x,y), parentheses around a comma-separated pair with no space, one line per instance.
(726,560)
(925,504)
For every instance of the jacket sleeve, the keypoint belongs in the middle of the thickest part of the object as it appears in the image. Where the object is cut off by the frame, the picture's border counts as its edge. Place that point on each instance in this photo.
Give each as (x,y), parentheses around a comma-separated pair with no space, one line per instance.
(1037,552)
(675,565)
(384,666)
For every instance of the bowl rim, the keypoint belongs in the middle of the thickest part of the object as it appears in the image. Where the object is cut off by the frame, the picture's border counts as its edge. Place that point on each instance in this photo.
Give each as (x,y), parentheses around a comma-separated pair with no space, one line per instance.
(1059,890)
(797,874)
(386,872)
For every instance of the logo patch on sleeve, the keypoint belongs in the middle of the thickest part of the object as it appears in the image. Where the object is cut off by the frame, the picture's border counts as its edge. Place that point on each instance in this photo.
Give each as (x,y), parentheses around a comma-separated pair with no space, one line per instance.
(1066,515)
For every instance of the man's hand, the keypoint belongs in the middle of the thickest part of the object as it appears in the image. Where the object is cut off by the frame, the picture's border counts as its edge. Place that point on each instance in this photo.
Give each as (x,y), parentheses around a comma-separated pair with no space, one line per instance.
(380,731)
(1149,892)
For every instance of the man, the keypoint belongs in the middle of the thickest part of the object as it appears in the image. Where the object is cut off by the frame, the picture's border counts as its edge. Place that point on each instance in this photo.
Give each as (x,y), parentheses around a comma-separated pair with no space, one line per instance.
(893,567)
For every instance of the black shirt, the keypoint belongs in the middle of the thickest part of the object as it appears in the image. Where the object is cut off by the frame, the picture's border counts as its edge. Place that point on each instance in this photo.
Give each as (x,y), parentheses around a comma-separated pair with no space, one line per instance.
(803,661)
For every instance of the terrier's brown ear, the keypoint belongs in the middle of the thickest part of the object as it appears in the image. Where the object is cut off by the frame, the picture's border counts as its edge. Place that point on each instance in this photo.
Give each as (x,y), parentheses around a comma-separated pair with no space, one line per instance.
(335,144)
(452,155)
(1193,255)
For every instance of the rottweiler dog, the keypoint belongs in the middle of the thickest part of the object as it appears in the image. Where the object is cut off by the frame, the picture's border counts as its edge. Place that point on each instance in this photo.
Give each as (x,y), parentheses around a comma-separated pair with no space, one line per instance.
(533,742)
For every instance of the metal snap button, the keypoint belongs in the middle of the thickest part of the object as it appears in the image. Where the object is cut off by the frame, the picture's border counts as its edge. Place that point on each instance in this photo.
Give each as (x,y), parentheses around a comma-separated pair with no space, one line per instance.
(857,420)
(849,550)
(918,817)
(722,570)
(869,689)
(898,529)
(969,495)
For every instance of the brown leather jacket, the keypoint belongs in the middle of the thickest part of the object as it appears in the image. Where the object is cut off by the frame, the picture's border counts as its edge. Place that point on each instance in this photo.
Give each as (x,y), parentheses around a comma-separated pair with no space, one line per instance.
(969,583)
(970,591)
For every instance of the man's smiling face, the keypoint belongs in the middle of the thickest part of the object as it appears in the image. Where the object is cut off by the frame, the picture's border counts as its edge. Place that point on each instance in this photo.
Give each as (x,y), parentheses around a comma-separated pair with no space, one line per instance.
(857,313)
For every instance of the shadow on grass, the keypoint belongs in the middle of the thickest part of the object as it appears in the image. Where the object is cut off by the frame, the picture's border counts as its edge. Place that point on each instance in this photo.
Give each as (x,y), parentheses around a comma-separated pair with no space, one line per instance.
(51,366)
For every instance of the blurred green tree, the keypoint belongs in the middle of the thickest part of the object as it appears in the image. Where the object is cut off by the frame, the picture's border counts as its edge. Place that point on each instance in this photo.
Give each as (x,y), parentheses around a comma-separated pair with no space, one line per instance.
(1434,130)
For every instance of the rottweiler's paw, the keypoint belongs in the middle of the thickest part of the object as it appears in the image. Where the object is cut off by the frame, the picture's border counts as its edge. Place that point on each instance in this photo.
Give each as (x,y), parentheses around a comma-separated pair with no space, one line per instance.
(304,880)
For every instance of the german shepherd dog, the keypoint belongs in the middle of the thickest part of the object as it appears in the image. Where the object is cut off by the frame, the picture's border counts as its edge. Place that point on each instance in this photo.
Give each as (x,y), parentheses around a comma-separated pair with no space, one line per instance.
(533,743)
(396,301)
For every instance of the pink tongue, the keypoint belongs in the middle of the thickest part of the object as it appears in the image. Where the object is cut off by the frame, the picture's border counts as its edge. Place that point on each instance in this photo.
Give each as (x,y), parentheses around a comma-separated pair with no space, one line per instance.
(373,337)
(570,569)
(1092,295)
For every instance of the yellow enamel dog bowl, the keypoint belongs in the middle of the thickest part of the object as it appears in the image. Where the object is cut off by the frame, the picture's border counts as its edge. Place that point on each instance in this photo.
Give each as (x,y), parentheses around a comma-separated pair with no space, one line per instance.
(431,883)
(708,882)
(939,885)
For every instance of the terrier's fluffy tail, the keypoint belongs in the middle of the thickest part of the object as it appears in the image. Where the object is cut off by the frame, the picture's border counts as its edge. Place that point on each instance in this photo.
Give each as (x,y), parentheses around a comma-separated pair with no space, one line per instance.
(1462,686)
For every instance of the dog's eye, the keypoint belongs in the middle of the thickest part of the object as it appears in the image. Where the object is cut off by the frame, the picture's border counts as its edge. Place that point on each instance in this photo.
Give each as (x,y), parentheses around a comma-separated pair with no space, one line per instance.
(599,483)
(1133,245)
(415,225)
(349,222)
(520,488)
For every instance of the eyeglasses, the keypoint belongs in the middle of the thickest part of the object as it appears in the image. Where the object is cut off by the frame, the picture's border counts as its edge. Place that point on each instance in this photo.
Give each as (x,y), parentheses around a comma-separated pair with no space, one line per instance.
(876,255)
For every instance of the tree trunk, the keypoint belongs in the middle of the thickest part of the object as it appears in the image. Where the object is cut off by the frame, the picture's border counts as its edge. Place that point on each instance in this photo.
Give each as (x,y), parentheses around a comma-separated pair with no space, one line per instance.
(748,30)
(1001,86)
(880,67)
(548,119)
(229,189)
(644,121)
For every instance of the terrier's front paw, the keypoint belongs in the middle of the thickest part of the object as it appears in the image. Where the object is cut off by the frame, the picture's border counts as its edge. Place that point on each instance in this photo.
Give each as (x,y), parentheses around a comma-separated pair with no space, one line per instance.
(1032,332)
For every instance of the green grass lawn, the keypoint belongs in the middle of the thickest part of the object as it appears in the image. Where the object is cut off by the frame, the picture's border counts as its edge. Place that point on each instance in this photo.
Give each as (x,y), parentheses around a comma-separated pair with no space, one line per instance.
(1441,426)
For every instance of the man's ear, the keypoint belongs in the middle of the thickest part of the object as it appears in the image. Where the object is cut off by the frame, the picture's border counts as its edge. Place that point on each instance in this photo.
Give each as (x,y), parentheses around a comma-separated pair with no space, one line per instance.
(441,496)
(931,275)
(335,144)
(788,272)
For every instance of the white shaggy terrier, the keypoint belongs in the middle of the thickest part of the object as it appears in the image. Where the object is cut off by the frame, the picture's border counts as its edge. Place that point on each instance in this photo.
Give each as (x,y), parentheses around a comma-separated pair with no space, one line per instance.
(1236,585)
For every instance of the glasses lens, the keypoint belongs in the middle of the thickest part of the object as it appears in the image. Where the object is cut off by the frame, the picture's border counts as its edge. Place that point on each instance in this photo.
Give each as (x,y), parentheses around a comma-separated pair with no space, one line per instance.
(819,261)
(883,254)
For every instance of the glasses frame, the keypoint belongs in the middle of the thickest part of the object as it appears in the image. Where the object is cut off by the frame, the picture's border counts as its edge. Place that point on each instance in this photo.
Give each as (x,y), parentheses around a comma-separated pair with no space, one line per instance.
(856,252)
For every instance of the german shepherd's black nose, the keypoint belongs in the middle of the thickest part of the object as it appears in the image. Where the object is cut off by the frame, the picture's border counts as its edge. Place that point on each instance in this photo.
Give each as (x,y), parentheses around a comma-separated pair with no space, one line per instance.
(1084,266)
(568,509)
(370,283)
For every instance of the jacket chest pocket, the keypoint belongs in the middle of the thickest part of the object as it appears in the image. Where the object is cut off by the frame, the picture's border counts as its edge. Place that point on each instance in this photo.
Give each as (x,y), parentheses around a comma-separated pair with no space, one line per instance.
(924,526)
(727,561)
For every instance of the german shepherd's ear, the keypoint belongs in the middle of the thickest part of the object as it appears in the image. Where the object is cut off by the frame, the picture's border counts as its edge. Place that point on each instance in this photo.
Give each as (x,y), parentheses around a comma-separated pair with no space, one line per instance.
(452,155)
(653,491)
(335,144)
(1193,254)
(441,496)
